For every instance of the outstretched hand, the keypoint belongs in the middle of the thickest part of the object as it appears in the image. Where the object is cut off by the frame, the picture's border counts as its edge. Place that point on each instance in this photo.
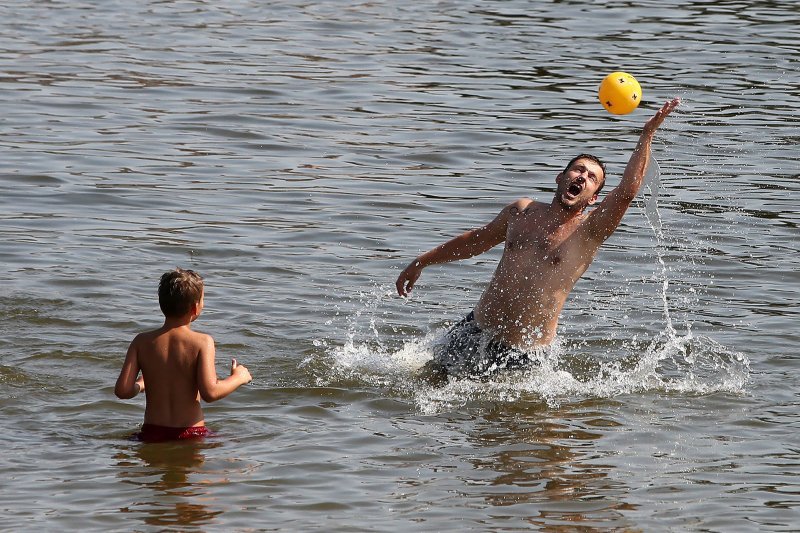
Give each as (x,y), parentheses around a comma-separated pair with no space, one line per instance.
(655,121)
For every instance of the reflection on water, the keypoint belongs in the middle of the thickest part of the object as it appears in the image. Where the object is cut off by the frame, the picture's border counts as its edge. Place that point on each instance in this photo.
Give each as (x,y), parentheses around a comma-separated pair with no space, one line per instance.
(546,469)
(178,487)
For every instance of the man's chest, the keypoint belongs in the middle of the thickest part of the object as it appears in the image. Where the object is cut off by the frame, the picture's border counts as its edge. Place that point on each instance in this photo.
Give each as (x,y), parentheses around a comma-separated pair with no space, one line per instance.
(538,243)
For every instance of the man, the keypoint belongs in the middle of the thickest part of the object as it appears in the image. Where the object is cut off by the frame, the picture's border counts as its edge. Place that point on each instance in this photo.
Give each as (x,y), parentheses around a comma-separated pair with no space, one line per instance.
(548,248)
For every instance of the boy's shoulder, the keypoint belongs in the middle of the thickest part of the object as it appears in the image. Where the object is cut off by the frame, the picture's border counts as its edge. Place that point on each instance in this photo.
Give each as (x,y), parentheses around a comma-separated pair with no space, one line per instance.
(199,336)
(185,334)
(197,339)
(146,336)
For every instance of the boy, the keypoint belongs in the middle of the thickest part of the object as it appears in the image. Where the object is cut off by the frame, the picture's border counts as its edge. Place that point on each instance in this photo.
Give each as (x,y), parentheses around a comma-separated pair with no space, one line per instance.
(177,364)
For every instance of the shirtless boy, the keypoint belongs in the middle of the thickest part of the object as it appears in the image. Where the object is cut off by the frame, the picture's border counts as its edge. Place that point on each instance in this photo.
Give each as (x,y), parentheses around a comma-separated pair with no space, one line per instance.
(548,248)
(177,365)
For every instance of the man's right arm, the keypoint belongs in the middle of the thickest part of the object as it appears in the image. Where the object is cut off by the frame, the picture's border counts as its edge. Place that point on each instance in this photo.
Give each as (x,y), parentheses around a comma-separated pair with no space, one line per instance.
(603,220)
(468,244)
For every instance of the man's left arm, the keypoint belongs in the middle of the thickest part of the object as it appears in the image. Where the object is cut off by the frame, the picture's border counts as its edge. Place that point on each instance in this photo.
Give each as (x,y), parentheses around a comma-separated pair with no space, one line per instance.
(603,221)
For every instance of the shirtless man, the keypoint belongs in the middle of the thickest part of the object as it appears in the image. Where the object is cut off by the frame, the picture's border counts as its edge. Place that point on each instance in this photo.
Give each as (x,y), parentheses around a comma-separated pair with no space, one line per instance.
(177,364)
(548,248)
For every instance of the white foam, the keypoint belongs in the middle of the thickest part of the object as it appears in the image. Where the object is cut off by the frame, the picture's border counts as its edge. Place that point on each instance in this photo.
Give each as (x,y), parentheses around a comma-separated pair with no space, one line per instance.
(680,364)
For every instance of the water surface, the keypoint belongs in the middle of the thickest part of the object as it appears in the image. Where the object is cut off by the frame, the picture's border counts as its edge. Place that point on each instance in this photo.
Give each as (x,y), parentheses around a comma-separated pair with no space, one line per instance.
(299,154)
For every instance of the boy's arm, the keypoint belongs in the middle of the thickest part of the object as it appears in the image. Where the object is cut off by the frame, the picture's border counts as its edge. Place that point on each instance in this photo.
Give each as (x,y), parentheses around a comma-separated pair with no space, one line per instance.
(603,221)
(468,244)
(128,385)
(210,386)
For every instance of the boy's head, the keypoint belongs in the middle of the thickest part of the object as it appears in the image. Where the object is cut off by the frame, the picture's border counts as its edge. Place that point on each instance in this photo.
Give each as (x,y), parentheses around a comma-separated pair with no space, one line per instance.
(178,290)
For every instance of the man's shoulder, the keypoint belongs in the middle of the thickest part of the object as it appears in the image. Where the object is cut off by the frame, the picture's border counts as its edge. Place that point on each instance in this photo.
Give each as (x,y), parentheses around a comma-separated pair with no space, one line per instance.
(521,204)
(518,203)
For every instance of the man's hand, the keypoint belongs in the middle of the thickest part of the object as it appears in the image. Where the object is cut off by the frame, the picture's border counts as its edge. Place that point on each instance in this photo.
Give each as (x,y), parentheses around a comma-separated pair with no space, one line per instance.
(407,278)
(655,121)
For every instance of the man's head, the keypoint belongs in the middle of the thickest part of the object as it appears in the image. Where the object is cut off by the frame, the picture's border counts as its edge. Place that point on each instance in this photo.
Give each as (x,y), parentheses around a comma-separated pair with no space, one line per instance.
(581,181)
(178,291)
(594,159)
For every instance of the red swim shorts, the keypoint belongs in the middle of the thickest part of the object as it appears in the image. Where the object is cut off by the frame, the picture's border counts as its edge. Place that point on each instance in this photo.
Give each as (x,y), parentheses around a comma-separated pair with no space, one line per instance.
(156,433)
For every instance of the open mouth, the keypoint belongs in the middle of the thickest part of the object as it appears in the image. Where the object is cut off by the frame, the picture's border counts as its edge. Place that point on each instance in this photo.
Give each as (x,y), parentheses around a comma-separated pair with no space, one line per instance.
(576,187)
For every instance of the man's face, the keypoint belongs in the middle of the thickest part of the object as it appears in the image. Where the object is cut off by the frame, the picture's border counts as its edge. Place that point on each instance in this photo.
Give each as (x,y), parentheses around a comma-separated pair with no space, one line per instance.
(578,185)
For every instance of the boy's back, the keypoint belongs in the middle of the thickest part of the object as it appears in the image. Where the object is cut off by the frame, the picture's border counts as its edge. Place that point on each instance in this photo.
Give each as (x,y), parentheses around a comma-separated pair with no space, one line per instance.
(169,360)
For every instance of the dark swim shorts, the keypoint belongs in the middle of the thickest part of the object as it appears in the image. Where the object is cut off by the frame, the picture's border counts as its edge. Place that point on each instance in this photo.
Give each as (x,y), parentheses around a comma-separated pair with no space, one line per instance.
(156,433)
(468,351)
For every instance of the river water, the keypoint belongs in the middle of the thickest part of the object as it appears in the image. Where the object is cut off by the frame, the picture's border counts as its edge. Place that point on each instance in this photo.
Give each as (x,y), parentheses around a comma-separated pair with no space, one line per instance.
(298,155)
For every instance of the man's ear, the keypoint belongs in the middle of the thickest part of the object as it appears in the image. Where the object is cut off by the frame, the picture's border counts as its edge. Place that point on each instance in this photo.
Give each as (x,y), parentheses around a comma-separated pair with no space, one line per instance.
(593,199)
(558,176)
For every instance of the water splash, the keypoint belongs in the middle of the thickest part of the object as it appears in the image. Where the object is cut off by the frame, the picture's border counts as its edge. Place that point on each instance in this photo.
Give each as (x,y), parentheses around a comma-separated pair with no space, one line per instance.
(669,363)
(652,188)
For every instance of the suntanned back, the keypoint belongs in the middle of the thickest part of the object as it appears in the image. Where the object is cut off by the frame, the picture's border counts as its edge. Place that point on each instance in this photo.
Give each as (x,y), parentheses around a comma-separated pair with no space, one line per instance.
(169,359)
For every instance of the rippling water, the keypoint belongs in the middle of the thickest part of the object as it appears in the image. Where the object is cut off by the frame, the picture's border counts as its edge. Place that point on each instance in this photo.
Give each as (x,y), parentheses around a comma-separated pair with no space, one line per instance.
(298,154)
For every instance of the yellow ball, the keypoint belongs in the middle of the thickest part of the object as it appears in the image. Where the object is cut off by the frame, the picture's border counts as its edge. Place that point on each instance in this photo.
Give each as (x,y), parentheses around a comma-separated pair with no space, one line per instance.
(620,93)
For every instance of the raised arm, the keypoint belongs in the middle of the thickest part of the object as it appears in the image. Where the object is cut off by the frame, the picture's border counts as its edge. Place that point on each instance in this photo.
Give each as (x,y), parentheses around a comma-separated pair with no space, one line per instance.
(603,221)
(211,387)
(468,244)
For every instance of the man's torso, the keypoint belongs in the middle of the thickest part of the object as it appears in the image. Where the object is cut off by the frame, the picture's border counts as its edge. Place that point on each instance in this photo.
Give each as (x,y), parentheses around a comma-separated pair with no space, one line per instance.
(541,263)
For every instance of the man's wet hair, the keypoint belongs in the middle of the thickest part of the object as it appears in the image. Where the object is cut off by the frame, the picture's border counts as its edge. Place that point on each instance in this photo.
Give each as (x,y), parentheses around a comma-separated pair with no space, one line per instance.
(178,290)
(593,159)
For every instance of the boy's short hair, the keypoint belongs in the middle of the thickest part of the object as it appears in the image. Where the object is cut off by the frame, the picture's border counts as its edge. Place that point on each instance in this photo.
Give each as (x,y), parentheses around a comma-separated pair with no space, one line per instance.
(178,290)
(595,160)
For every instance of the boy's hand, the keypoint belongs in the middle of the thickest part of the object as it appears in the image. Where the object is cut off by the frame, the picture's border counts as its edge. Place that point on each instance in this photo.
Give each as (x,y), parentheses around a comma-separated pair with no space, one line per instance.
(240,371)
